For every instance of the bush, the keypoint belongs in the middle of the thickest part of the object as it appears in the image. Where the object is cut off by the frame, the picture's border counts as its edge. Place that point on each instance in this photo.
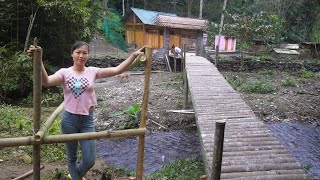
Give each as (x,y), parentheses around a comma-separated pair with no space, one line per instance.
(15,75)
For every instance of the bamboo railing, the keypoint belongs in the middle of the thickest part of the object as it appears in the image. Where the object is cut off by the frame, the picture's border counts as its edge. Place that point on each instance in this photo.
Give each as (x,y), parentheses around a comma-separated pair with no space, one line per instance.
(39,133)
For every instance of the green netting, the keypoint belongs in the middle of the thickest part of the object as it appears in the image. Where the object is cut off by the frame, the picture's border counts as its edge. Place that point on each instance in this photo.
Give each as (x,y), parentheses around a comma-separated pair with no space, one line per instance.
(113,29)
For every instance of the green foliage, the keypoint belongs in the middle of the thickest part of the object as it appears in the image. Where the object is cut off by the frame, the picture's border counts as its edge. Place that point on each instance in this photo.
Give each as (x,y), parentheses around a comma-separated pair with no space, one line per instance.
(289,82)
(58,174)
(13,123)
(259,26)
(267,73)
(51,97)
(258,86)
(305,73)
(133,111)
(15,75)
(234,81)
(189,168)
(179,104)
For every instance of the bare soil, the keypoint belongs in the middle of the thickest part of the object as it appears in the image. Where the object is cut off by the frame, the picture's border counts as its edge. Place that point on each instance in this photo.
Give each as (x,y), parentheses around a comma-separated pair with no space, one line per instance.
(298,103)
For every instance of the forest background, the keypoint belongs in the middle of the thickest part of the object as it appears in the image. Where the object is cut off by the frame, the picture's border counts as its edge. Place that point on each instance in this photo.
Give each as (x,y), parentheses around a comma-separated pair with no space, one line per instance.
(58,24)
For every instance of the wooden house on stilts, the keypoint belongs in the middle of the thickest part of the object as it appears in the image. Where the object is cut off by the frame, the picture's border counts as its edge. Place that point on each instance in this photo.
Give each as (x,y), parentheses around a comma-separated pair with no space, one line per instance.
(161,30)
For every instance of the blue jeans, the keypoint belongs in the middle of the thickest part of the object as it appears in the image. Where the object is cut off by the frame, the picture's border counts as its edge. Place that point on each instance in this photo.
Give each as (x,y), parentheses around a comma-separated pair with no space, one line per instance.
(74,123)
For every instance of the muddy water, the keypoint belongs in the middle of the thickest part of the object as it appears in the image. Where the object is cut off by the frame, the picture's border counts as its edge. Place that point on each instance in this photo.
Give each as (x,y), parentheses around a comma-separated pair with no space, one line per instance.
(303,143)
(301,140)
(160,148)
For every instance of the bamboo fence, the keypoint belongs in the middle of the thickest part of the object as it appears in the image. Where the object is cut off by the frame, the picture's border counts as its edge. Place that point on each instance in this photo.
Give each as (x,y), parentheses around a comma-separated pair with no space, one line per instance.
(39,133)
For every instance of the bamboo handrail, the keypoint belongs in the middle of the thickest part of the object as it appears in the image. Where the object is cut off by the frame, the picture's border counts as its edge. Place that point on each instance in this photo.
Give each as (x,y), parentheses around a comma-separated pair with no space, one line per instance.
(48,123)
(29,140)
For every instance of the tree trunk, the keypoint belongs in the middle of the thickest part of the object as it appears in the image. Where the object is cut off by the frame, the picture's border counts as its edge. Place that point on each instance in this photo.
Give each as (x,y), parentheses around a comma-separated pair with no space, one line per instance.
(123,7)
(220,30)
(105,8)
(200,11)
(189,4)
(145,6)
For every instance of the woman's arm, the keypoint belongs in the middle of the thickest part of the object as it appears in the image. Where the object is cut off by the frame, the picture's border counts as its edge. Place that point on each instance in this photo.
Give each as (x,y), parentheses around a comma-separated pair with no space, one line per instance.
(112,71)
(51,80)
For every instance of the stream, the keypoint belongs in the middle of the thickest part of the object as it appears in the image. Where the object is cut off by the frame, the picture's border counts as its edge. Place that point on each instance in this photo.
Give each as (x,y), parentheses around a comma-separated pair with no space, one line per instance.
(160,148)
(301,140)
(303,143)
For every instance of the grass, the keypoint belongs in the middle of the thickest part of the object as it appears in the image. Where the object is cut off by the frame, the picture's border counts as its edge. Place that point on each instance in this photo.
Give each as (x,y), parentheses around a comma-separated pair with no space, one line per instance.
(305,73)
(189,168)
(17,122)
(234,81)
(261,86)
(289,82)
(267,73)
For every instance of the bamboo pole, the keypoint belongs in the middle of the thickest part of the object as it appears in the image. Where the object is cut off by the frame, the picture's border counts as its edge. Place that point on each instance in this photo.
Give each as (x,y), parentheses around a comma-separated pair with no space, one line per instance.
(29,140)
(143,119)
(185,80)
(37,55)
(139,60)
(25,175)
(48,123)
(217,150)
(174,63)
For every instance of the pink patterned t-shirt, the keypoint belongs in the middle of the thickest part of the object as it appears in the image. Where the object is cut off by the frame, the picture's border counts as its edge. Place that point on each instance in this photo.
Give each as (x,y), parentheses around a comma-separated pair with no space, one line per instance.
(78,89)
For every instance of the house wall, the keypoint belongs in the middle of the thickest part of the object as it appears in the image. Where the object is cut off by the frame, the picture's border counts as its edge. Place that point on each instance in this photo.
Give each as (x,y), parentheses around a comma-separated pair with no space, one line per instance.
(140,34)
(227,44)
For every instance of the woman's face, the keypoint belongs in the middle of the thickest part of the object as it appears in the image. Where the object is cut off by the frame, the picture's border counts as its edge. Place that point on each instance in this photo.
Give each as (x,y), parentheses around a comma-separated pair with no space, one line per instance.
(80,55)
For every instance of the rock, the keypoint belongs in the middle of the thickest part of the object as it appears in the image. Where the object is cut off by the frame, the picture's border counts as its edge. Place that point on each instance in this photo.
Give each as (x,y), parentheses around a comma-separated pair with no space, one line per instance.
(27,159)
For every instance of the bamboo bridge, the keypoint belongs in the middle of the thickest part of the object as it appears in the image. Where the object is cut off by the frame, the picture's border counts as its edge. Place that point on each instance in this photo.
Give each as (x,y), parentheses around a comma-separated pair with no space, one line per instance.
(250,151)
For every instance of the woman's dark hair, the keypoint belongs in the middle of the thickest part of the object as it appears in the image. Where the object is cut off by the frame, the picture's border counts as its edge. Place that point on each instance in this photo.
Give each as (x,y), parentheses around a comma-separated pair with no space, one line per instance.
(78,44)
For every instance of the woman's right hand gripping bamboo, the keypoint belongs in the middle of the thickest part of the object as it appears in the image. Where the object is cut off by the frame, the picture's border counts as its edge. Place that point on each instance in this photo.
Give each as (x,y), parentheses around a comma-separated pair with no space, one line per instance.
(51,80)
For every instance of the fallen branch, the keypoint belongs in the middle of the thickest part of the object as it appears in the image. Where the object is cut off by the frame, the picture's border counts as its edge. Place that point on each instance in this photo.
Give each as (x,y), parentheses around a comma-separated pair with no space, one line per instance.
(184,111)
(25,175)
(158,124)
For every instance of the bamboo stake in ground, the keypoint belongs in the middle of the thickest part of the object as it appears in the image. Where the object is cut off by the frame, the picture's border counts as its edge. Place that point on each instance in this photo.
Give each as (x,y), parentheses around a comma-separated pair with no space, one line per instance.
(37,62)
(185,80)
(25,175)
(217,150)
(48,123)
(144,110)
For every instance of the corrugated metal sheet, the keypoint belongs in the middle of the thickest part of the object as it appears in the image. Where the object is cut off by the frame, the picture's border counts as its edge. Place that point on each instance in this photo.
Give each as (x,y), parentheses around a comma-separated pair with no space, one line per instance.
(148,17)
(181,22)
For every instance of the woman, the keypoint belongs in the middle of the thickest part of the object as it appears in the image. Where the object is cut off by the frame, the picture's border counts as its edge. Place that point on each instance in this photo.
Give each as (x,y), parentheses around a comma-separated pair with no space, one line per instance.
(79,102)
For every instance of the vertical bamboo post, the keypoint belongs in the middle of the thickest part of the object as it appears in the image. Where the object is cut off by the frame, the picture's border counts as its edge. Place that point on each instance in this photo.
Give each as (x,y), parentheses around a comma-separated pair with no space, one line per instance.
(174,63)
(185,79)
(144,109)
(183,58)
(36,108)
(217,150)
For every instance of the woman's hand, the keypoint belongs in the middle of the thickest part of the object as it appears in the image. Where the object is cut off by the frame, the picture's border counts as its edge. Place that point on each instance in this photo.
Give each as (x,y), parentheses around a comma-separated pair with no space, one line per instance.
(139,51)
(32,48)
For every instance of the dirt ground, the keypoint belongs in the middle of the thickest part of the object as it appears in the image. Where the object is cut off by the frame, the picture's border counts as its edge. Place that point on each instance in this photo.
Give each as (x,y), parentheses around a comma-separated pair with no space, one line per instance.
(297,103)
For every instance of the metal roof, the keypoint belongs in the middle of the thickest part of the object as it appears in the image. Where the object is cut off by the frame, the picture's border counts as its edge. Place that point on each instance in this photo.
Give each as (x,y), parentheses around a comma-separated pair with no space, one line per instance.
(148,17)
(181,22)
